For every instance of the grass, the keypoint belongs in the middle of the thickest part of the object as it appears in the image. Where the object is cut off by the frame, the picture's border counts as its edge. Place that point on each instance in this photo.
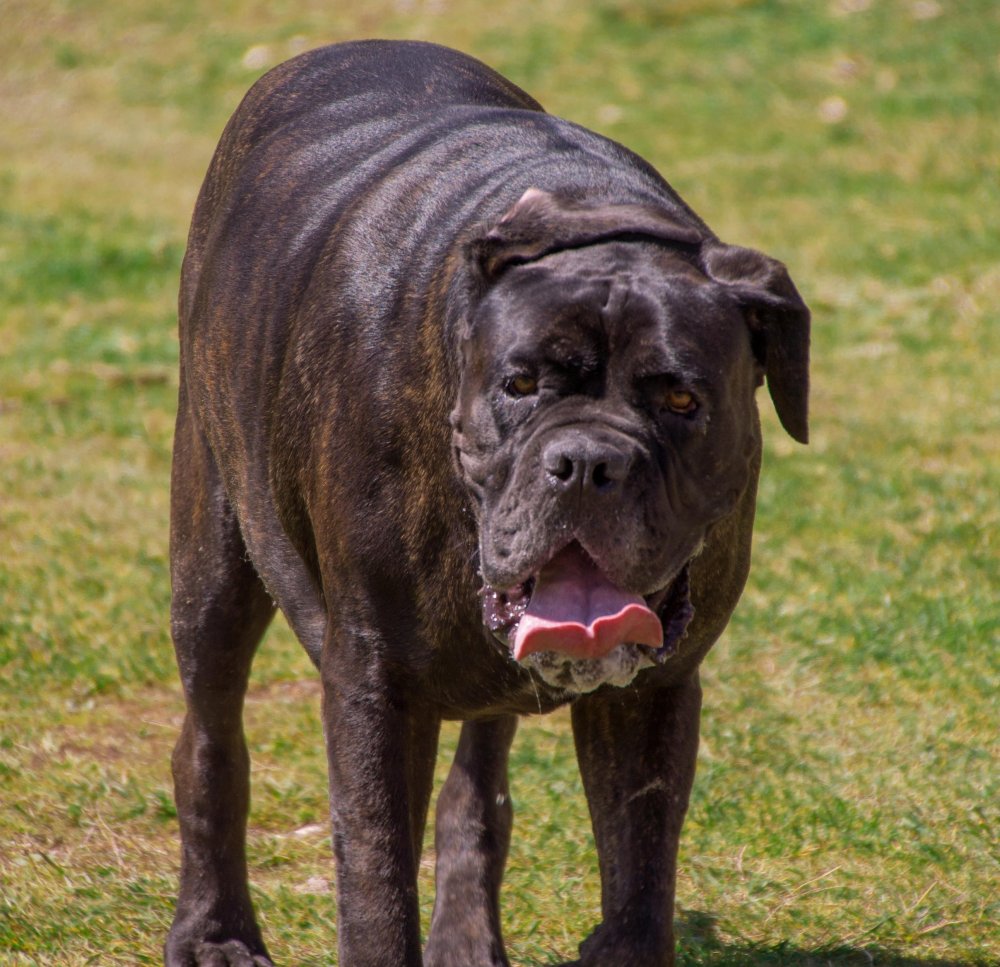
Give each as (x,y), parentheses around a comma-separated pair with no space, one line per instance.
(846,806)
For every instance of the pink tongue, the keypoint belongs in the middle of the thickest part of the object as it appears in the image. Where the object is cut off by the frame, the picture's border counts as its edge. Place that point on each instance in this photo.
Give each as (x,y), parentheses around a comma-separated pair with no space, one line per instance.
(576,611)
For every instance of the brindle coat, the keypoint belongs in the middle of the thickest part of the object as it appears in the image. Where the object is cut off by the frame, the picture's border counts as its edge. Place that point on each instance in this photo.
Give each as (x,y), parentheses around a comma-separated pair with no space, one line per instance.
(382,226)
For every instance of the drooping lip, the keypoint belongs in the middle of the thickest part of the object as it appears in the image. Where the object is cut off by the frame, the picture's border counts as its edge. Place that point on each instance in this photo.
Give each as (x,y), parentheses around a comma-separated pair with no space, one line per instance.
(503,611)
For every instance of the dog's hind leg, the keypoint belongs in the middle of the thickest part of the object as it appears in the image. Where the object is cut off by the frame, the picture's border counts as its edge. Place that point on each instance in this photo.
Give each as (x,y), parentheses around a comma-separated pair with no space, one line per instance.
(472,836)
(219,612)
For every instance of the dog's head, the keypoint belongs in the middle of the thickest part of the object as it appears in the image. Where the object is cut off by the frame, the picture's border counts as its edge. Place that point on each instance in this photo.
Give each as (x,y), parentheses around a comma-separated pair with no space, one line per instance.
(606,420)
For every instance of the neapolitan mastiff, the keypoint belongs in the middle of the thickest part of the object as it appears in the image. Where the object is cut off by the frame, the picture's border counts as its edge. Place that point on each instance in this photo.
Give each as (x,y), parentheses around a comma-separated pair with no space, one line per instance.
(467,392)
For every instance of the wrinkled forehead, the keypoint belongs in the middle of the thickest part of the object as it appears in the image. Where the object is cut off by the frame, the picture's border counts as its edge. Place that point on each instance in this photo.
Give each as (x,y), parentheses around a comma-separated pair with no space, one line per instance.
(651,305)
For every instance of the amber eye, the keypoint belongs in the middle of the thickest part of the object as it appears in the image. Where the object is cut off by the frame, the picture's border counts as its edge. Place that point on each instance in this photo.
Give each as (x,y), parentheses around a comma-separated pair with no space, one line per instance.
(522,385)
(680,401)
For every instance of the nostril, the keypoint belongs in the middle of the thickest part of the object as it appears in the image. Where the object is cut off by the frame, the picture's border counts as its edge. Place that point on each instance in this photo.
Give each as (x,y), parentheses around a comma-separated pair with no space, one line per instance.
(601,478)
(561,468)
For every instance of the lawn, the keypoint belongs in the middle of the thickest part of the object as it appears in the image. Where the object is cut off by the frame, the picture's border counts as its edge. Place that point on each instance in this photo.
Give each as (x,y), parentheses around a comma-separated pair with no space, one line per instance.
(847,806)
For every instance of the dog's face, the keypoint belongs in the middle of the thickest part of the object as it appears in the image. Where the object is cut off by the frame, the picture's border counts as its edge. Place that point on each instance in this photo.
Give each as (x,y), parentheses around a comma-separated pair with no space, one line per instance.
(605,422)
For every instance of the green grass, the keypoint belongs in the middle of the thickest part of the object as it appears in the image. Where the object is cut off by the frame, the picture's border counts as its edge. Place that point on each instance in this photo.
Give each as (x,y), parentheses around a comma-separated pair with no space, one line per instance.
(846,806)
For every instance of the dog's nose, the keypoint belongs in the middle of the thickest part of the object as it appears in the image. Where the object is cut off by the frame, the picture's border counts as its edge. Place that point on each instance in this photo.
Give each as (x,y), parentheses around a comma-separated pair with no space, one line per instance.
(576,461)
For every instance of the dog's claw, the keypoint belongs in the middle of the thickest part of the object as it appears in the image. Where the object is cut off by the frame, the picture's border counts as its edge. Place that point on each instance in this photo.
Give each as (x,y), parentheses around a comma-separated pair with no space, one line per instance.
(232,953)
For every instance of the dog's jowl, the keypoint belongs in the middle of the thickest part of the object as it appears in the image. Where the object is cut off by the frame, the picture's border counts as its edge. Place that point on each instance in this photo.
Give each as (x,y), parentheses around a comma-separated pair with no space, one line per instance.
(467,392)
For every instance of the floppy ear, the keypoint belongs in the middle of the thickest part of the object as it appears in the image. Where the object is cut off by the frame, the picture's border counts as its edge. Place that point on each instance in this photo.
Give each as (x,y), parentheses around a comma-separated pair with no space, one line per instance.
(779,320)
(541,223)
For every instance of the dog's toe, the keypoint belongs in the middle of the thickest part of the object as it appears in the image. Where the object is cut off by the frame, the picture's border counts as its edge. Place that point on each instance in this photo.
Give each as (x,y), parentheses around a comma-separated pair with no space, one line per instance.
(232,953)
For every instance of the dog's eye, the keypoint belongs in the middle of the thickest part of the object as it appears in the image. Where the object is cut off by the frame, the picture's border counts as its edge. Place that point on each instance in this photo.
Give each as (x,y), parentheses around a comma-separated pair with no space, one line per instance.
(680,401)
(522,385)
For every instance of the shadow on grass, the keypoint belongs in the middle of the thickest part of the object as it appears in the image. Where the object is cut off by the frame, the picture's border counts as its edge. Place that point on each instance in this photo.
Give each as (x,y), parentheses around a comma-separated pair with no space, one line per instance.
(699,945)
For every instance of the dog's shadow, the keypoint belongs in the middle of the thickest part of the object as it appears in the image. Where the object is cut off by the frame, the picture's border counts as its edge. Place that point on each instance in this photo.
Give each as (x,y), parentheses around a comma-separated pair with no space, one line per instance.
(699,944)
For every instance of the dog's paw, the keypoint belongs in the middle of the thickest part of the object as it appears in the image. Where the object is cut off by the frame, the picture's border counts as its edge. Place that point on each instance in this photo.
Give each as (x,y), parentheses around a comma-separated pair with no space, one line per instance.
(611,947)
(229,953)
(232,953)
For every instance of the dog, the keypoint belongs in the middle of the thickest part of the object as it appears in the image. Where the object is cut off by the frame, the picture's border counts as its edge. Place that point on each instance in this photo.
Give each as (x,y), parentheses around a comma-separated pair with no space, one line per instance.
(468,392)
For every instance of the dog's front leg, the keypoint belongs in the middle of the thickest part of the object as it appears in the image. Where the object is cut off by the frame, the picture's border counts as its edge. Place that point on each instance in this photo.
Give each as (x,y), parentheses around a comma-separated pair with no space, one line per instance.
(637,749)
(381,758)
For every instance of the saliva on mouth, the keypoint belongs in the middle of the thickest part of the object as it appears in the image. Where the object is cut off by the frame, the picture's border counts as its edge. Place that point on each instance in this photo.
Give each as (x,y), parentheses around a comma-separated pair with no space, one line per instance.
(503,610)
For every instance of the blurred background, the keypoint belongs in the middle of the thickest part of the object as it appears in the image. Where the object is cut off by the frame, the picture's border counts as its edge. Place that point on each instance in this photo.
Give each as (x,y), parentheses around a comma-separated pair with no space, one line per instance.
(846,810)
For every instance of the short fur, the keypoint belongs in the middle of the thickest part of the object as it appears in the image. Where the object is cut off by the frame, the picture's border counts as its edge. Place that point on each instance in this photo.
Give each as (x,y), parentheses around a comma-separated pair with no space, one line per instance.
(387,233)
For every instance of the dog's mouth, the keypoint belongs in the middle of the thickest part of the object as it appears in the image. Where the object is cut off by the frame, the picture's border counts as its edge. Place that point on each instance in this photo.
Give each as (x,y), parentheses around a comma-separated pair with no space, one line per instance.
(570,608)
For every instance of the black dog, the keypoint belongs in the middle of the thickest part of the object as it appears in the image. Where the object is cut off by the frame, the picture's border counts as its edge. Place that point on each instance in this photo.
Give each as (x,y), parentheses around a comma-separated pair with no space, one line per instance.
(468,392)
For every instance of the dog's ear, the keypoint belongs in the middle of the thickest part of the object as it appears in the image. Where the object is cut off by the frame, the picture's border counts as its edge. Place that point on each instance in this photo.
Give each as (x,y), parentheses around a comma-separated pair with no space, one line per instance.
(779,321)
(540,223)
